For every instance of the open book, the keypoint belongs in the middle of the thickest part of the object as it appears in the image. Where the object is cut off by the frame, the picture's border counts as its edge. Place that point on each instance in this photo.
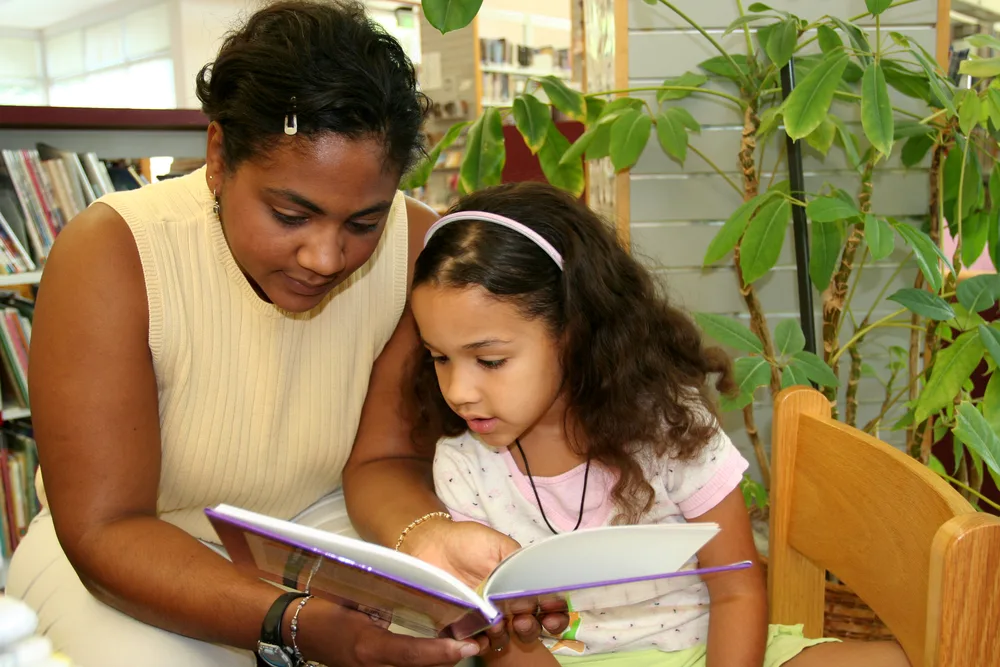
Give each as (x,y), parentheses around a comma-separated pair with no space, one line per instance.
(598,568)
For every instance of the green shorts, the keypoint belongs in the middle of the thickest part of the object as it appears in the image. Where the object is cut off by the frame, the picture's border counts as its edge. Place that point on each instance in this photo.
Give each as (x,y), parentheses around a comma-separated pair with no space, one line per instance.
(784,642)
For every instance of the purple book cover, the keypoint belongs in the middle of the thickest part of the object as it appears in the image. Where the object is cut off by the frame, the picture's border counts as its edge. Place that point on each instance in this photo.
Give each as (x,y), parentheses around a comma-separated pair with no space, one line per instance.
(392,598)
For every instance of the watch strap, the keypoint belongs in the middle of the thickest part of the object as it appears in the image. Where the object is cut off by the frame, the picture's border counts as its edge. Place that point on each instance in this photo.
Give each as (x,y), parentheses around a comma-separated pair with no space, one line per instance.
(270,629)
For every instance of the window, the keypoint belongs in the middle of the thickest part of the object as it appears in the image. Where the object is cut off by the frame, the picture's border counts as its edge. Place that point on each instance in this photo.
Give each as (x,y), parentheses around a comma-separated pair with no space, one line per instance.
(124,62)
(22,79)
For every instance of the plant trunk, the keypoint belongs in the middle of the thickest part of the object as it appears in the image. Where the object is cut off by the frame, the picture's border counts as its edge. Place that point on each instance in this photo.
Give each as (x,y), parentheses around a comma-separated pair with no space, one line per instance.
(758,323)
(836,293)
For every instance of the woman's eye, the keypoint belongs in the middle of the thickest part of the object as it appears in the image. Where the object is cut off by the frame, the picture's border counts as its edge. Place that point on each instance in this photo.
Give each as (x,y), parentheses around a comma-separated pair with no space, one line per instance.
(492,364)
(363,227)
(286,219)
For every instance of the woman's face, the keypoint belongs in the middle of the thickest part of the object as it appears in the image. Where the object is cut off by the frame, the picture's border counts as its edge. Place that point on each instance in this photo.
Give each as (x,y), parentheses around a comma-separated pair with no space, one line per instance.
(302,218)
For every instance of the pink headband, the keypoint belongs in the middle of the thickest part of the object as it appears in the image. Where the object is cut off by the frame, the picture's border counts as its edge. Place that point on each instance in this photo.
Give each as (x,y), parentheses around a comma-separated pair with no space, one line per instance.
(518,227)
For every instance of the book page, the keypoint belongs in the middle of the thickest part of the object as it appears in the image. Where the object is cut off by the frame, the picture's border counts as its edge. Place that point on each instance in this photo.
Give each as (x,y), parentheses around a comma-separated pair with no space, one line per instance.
(598,557)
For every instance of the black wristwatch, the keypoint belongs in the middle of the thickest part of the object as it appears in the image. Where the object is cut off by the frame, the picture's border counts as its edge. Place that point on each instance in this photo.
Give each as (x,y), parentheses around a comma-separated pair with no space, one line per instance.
(271,649)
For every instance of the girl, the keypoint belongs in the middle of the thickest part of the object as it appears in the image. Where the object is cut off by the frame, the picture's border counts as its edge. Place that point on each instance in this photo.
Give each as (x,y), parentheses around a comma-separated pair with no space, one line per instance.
(573,395)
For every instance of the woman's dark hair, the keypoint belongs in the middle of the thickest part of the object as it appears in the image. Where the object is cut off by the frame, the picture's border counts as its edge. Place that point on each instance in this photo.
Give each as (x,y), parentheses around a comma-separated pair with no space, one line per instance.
(347,75)
(635,367)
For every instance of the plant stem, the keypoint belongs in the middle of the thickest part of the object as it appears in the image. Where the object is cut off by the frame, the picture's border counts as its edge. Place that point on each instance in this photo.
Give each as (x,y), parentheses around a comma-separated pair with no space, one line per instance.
(939,112)
(711,40)
(860,333)
(959,205)
(716,168)
(887,405)
(854,287)
(959,484)
(692,89)
(746,30)
(885,287)
(782,154)
(855,96)
(750,423)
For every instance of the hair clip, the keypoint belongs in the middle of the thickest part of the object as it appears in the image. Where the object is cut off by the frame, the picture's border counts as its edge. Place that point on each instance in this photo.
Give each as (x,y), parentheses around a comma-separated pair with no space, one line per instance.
(292,127)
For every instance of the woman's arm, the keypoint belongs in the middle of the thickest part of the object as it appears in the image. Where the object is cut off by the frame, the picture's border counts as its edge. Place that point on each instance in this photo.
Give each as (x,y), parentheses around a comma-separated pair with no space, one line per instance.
(737,622)
(95,414)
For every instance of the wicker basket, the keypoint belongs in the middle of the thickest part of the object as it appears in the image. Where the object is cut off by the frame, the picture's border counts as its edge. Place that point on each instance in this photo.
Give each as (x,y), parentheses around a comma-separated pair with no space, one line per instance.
(846,616)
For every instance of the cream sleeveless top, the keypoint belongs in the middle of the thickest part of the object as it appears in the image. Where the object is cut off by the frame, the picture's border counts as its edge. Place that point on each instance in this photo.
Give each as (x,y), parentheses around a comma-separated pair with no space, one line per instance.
(258,407)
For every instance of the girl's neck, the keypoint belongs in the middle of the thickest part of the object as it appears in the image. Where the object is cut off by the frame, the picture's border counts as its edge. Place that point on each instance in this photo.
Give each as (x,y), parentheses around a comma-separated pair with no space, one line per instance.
(549,447)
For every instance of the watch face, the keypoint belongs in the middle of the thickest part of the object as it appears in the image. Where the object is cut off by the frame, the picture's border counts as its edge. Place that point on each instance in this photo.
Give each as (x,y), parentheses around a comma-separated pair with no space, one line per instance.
(276,656)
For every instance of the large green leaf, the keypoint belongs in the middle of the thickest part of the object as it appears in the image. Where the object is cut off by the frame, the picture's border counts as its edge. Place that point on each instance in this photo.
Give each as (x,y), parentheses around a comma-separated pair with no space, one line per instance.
(980,68)
(580,146)
(923,303)
(858,39)
(978,436)
(730,233)
(826,244)
(595,107)
(564,98)
(876,7)
(484,153)
(969,111)
(672,134)
(940,88)
(925,251)
(793,376)
(993,234)
(991,401)
(565,175)
(746,19)
(600,146)
(781,42)
(975,234)
(729,331)
(990,338)
(448,15)
(421,172)
(993,107)
(788,337)
(906,81)
(721,66)
(809,103)
(876,109)
(849,142)
(952,367)
(763,239)
(815,369)
(822,137)
(831,209)
(879,236)
(686,119)
(687,80)
(829,40)
(915,149)
(629,136)
(979,293)
(750,373)
(533,118)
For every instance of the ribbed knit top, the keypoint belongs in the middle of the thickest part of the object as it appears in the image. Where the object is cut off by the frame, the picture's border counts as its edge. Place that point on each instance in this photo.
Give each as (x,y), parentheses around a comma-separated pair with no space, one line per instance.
(259,407)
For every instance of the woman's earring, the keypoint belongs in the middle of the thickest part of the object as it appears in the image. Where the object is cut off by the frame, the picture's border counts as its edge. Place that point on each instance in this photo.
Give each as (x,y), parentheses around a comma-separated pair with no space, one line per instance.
(216,208)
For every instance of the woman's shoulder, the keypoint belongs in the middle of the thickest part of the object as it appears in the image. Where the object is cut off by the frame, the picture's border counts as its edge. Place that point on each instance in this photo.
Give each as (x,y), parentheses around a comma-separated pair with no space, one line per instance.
(183,199)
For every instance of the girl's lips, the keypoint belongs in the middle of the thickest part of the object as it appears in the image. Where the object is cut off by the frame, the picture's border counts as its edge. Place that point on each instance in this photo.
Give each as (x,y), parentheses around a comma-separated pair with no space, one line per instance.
(482,426)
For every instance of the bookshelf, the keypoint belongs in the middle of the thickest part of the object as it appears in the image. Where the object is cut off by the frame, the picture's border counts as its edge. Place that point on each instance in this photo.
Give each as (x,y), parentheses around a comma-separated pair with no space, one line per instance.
(44,188)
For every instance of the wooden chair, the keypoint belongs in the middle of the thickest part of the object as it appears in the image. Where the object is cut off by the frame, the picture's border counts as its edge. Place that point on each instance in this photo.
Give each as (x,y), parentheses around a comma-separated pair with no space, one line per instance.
(906,542)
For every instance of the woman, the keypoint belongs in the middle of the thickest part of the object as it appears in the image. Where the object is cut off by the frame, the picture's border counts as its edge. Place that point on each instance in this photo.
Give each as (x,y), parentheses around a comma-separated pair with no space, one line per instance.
(226,337)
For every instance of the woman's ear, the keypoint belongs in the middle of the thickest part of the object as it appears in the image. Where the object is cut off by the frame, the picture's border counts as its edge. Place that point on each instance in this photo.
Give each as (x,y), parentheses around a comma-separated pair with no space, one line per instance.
(215,155)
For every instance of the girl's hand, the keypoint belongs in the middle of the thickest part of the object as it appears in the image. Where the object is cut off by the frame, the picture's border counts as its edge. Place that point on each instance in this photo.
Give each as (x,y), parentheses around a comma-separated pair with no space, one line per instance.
(340,637)
(471,551)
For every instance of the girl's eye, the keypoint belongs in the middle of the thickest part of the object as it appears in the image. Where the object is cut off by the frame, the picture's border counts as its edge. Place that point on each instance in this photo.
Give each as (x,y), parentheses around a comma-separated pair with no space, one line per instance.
(291,220)
(438,359)
(492,364)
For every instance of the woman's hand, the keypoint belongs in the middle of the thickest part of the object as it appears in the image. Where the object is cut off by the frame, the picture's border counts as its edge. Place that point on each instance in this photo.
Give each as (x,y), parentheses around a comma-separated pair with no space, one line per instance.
(471,551)
(339,637)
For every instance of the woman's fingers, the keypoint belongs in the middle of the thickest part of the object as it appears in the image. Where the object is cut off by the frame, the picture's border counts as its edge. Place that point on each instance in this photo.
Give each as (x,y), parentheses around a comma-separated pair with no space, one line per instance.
(405,651)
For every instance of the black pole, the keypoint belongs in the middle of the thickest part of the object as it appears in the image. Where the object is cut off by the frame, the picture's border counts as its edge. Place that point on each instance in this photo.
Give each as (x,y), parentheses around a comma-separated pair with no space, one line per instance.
(800,230)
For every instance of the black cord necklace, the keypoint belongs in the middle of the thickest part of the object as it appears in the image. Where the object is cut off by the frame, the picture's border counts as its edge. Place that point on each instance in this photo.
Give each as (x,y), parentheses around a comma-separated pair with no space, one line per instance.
(583,496)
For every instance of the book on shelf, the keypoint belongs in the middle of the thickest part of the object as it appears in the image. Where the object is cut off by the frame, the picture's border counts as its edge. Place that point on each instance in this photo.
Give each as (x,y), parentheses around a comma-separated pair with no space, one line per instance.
(42,189)
(18,500)
(585,570)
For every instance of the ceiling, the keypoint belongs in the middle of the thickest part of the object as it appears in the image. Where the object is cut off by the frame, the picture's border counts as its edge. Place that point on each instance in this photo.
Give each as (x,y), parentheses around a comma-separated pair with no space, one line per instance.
(37,14)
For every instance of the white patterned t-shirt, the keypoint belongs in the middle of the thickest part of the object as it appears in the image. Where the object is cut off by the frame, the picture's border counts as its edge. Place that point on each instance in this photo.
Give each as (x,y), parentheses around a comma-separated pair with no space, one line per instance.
(481,483)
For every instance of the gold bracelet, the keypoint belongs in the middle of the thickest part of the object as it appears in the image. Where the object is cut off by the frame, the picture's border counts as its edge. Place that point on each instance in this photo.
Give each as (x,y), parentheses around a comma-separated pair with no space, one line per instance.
(417,522)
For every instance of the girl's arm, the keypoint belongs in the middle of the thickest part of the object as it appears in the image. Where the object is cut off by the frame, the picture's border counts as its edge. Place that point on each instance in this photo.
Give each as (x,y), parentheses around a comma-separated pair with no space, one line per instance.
(96,418)
(521,654)
(737,630)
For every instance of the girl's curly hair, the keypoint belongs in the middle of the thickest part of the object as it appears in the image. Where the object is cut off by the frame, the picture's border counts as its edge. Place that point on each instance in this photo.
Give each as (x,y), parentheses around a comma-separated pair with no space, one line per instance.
(636,369)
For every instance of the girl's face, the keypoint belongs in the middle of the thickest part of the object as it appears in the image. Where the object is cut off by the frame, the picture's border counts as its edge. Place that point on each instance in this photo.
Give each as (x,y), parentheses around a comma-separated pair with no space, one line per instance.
(299,222)
(497,370)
